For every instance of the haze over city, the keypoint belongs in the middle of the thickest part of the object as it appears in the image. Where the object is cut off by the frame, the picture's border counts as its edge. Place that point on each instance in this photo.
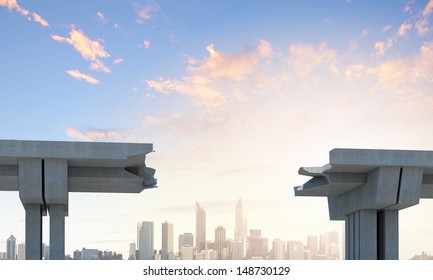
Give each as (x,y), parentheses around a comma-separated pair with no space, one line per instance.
(235,97)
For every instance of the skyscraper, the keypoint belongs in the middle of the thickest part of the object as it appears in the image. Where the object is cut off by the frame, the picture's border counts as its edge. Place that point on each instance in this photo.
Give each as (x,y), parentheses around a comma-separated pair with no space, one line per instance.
(220,240)
(186,240)
(257,245)
(240,223)
(21,251)
(241,227)
(11,248)
(167,240)
(278,249)
(200,227)
(295,250)
(145,240)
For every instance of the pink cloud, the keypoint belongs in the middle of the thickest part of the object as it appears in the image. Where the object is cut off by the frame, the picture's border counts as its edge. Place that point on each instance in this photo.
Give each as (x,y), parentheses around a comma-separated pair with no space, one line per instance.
(145,12)
(13,5)
(232,66)
(80,76)
(198,87)
(97,134)
(304,58)
(101,17)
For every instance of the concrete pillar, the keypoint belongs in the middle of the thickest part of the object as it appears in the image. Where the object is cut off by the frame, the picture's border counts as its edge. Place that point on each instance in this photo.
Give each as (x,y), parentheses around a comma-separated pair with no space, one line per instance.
(57,231)
(387,227)
(56,198)
(33,231)
(30,187)
(361,235)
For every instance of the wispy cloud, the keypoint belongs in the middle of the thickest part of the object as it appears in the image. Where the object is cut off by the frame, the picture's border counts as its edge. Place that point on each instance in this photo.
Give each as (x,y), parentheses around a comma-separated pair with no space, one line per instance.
(198,87)
(89,49)
(13,5)
(80,76)
(101,17)
(304,58)
(98,134)
(117,61)
(423,24)
(145,12)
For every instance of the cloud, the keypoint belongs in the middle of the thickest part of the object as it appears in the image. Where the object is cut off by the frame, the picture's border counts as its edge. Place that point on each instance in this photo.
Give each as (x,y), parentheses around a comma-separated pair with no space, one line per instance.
(404,28)
(198,87)
(13,5)
(99,66)
(117,61)
(97,134)
(422,25)
(80,76)
(236,67)
(89,49)
(101,17)
(40,20)
(146,44)
(386,28)
(382,47)
(144,12)
(304,58)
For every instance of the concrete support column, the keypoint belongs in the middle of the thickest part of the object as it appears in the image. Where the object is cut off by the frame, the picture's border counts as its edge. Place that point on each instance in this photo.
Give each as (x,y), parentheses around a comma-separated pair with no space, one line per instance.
(33,231)
(387,227)
(56,198)
(361,235)
(30,187)
(57,232)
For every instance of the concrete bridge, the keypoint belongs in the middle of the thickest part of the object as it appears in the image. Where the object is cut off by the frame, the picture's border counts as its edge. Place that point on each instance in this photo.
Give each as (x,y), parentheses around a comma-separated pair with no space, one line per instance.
(366,189)
(44,172)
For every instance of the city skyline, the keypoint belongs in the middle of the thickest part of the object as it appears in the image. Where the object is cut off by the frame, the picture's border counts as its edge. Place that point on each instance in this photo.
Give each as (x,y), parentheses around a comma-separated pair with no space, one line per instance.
(234,96)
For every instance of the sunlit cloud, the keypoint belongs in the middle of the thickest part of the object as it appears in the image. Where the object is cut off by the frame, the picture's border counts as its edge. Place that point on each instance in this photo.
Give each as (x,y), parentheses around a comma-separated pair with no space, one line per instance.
(146,44)
(145,12)
(386,28)
(89,49)
(304,58)
(101,17)
(382,47)
(37,18)
(198,87)
(97,134)
(232,66)
(80,76)
(404,28)
(13,5)
(117,61)
(423,24)
(99,66)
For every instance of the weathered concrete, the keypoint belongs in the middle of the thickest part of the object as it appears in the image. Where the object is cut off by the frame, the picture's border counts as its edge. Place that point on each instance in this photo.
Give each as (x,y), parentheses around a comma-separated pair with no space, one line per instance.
(44,172)
(366,188)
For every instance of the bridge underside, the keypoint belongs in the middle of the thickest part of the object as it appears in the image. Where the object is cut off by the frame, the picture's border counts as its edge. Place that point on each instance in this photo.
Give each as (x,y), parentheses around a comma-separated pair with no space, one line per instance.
(366,189)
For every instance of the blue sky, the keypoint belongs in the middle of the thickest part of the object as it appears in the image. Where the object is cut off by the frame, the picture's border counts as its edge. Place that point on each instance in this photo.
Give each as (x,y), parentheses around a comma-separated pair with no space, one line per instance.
(234,95)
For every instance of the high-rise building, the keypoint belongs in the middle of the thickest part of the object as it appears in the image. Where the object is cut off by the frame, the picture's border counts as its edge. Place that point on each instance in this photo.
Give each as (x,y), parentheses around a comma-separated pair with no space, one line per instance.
(241,227)
(187,253)
(132,251)
(11,248)
(167,240)
(186,240)
(220,241)
(312,246)
(295,250)
(145,240)
(328,245)
(200,227)
(240,223)
(278,249)
(257,245)
(21,251)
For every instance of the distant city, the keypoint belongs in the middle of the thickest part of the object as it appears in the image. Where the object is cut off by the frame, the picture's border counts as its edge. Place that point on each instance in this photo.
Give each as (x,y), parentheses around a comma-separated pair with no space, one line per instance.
(245,245)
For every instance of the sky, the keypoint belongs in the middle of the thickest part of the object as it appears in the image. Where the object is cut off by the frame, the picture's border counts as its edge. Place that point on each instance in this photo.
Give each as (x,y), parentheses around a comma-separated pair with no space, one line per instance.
(235,96)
